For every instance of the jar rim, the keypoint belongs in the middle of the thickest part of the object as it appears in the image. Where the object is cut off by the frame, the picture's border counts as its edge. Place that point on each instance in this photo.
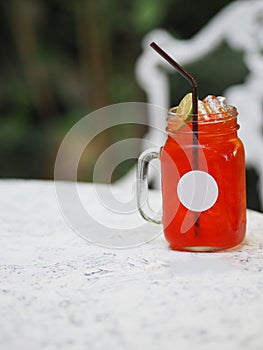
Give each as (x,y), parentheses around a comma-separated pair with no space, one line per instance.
(217,117)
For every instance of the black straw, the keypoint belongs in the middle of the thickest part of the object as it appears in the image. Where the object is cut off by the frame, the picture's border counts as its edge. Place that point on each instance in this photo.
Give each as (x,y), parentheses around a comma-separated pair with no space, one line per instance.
(188,77)
(193,83)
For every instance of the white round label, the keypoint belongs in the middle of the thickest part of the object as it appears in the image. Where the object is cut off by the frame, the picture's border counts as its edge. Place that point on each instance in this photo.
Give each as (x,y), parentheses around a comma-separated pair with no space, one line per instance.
(197,190)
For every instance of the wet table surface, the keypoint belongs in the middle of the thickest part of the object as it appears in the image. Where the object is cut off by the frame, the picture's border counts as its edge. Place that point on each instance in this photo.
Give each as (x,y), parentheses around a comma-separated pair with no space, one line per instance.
(58,290)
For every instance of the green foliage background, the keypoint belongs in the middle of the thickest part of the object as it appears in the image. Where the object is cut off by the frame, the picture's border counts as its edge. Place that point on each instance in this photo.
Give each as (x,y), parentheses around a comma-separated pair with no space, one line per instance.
(61,59)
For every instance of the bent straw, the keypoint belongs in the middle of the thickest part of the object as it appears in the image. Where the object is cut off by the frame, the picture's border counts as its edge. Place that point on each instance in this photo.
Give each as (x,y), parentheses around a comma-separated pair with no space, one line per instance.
(189,78)
(193,83)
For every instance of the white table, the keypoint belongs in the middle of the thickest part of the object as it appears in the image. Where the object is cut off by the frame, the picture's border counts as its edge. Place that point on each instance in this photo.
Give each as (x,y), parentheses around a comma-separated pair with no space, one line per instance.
(59,292)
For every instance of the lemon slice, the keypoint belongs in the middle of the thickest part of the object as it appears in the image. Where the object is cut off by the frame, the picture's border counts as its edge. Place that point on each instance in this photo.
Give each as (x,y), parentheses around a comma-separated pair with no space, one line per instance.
(185,110)
(185,106)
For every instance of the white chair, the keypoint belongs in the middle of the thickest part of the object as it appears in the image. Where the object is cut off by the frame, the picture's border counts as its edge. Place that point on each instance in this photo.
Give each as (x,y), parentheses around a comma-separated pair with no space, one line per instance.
(240,24)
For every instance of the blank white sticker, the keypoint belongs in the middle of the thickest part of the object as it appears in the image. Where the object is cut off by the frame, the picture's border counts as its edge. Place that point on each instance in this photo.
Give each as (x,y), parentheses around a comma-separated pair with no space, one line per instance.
(197,190)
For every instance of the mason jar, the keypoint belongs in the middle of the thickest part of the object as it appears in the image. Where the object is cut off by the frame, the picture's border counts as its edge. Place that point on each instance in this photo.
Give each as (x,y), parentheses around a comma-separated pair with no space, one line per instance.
(203,182)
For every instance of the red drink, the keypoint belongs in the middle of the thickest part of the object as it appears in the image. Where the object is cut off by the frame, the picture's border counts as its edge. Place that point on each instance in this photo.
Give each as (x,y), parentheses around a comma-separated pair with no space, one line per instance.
(203,173)
(211,214)
(203,181)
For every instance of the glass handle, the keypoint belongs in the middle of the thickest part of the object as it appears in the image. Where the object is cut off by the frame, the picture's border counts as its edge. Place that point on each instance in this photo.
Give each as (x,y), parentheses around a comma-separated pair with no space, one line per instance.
(143,189)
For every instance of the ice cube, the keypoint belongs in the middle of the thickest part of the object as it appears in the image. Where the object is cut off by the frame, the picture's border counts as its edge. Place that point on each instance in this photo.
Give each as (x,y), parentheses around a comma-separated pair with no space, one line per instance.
(213,103)
(214,107)
(223,103)
(217,105)
(226,108)
(203,112)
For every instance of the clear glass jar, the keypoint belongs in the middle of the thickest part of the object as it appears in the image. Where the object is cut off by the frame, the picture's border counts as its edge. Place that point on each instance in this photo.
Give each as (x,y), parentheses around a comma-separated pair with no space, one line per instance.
(203,183)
